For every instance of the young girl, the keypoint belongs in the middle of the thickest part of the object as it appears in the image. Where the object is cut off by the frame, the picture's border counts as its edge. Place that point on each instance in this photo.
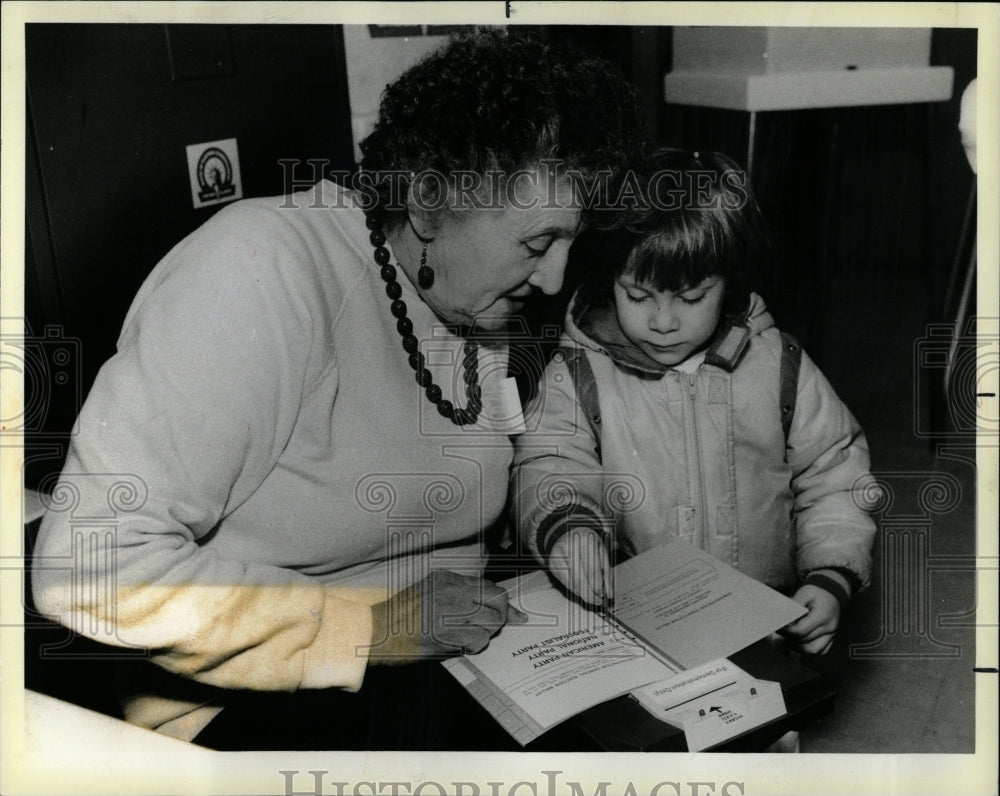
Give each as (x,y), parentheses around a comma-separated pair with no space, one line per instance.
(664,414)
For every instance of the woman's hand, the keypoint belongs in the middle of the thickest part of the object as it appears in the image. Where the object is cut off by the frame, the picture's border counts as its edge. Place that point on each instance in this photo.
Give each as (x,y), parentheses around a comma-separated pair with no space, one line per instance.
(814,632)
(443,615)
(580,561)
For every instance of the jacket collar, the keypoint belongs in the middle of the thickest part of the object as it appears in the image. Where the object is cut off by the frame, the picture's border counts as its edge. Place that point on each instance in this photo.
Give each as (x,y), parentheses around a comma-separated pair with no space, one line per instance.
(597,328)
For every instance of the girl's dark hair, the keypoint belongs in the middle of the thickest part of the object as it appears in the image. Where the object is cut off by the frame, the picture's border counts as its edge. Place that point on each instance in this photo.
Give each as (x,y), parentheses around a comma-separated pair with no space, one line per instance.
(498,101)
(694,216)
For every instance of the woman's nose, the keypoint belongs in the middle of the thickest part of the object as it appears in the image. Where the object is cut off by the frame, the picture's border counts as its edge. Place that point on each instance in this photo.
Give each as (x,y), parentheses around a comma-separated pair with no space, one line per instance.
(548,276)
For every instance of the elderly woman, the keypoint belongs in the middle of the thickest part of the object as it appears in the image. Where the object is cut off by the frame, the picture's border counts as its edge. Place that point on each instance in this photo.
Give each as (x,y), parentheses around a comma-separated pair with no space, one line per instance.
(308,415)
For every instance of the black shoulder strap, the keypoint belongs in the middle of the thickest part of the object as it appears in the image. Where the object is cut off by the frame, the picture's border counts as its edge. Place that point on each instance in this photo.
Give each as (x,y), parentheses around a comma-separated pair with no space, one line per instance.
(791,359)
(586,388)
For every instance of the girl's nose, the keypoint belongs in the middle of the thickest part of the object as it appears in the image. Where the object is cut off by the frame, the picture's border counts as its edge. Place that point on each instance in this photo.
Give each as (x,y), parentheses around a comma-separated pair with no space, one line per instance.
(548,276)
(662,320)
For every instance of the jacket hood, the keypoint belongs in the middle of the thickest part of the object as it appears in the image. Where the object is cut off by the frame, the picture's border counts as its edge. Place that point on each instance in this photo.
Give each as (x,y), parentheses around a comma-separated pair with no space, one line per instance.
(597,328)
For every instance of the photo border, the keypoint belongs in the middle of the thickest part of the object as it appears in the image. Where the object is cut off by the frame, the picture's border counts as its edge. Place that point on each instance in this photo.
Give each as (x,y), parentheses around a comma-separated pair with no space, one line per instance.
(28,768)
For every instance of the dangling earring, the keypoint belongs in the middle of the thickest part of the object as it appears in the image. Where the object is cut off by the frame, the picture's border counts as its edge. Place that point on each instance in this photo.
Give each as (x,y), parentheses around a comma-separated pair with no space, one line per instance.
(425,274)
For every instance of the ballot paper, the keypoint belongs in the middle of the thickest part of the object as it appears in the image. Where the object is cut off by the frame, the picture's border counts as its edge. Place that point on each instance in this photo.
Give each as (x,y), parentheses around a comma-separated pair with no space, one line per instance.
(565,660)
(675,607)
(694,608)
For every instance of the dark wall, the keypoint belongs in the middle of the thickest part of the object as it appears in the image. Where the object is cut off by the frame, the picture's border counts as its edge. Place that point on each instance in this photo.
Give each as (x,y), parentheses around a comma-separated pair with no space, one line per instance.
(862,202)
(865,207)
(111,109)
(951,178)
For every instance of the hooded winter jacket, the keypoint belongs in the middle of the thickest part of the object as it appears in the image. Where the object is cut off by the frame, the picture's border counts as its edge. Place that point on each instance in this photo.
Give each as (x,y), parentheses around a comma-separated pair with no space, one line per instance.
(699,455)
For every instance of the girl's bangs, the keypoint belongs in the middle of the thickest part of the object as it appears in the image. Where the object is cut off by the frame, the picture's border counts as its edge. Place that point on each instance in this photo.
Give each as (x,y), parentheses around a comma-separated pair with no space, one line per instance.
(677,259)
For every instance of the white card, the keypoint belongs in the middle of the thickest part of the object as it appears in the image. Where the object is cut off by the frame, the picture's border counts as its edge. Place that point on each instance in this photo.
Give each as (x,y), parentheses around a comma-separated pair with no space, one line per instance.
(713,702)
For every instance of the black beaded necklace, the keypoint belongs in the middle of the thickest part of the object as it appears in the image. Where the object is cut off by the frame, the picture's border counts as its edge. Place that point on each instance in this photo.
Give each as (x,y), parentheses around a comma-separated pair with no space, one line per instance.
(470,362)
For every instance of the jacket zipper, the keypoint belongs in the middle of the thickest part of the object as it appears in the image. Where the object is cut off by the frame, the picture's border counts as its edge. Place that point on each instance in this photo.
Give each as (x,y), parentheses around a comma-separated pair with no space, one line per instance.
(694,465)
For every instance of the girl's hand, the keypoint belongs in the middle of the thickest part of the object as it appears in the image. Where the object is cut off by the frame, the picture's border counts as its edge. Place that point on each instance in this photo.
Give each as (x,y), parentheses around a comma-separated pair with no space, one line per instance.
(814,632)
(580,561)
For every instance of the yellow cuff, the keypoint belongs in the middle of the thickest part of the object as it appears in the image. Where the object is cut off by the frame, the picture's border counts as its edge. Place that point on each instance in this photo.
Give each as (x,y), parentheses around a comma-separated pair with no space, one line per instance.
(338,656)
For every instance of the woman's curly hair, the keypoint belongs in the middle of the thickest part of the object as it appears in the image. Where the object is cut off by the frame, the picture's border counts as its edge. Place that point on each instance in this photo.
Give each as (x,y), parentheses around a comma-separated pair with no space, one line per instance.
(492,101)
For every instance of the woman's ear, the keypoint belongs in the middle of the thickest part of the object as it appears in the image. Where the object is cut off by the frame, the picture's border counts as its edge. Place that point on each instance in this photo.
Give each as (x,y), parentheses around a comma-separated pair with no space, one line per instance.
(425,200)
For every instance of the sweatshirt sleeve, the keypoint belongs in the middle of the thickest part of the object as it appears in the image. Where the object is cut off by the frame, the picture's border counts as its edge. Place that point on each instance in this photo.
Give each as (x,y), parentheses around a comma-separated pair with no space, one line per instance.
(182,425)
(831,482)
(556,476)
